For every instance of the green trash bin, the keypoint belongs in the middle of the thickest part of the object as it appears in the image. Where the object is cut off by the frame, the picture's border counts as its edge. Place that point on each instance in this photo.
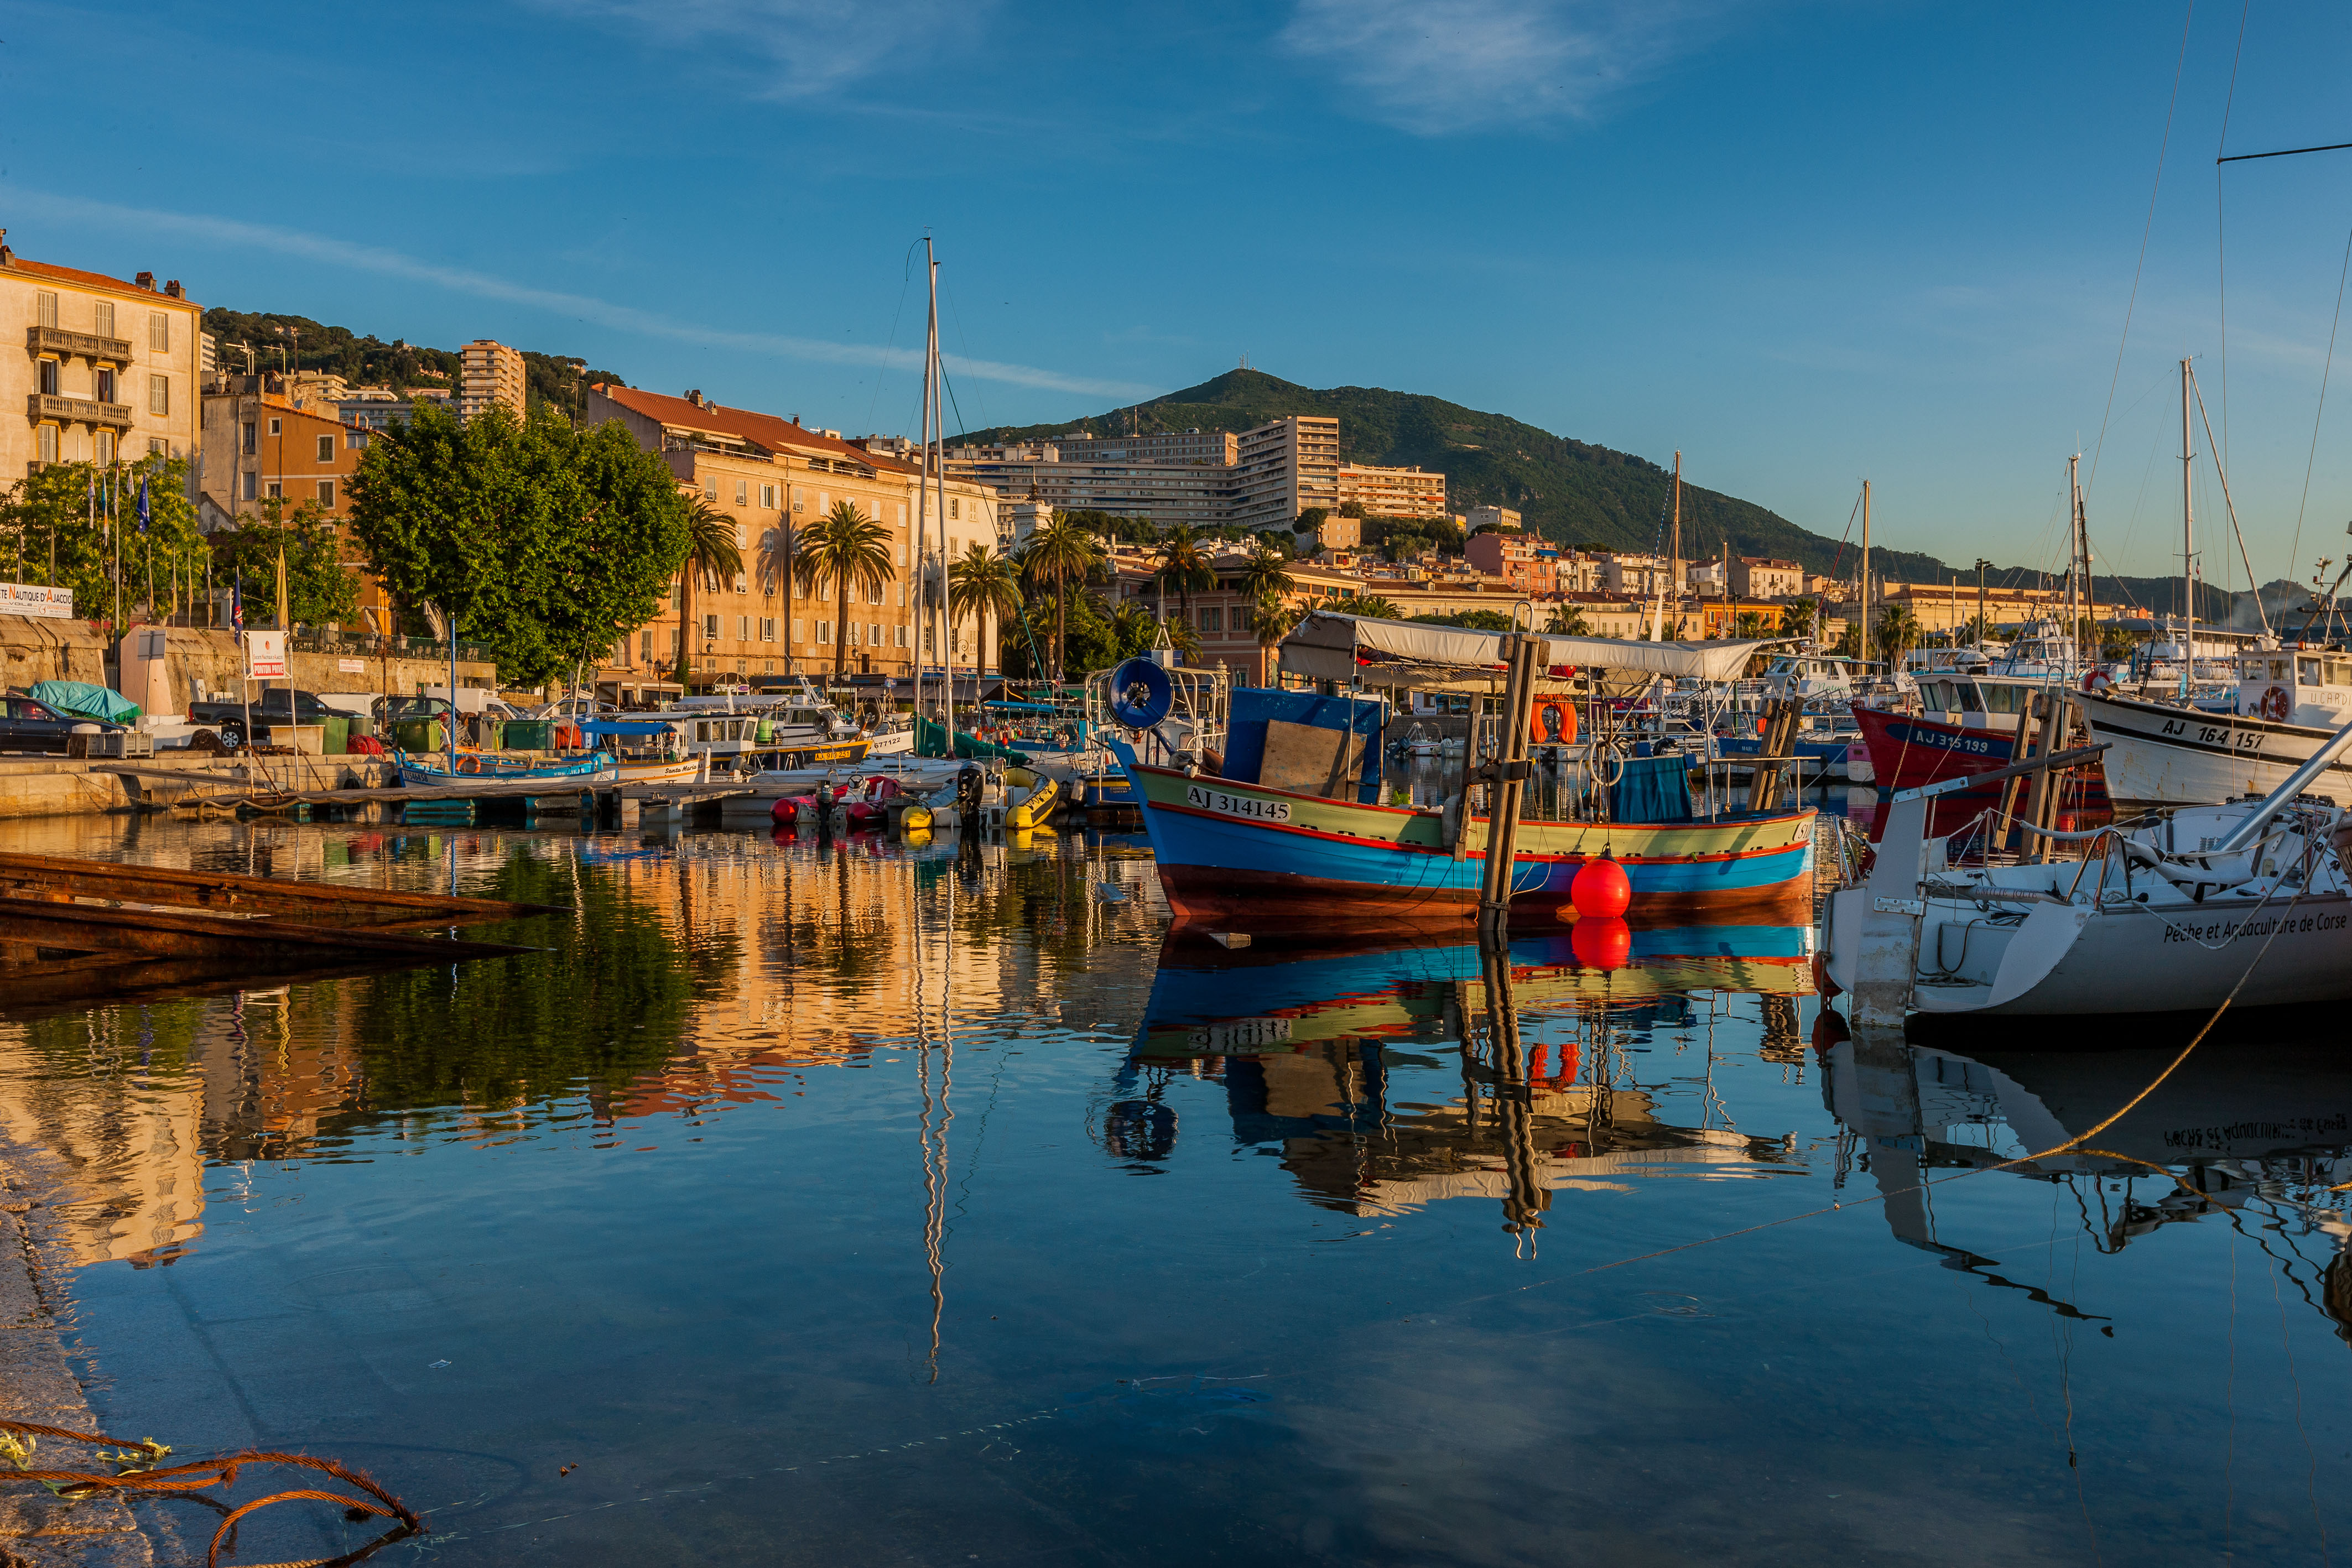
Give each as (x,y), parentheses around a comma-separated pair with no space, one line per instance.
(416,736)
(336,740)
(530,734)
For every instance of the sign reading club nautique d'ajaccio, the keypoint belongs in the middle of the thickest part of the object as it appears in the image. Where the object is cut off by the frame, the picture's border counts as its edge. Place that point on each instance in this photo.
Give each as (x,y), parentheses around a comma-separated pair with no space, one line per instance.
(32,599)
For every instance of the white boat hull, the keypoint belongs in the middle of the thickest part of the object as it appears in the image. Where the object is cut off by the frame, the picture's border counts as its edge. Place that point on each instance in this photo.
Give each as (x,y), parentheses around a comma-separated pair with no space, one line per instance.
(2160,754)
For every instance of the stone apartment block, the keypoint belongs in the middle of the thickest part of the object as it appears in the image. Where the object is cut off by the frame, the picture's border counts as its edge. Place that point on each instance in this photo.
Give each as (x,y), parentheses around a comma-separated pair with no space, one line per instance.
(489,373)
(1392,492)
(1491,518)
(773,475)
(1284,467)
(1764,576)
(109,366)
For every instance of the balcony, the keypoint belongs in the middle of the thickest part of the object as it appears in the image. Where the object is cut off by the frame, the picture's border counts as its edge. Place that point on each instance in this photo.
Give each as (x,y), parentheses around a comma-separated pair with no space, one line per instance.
(76,410)
(87,345)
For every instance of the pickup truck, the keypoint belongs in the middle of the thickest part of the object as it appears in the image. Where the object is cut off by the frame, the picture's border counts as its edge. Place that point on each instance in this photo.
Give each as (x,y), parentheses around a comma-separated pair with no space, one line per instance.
(277,705)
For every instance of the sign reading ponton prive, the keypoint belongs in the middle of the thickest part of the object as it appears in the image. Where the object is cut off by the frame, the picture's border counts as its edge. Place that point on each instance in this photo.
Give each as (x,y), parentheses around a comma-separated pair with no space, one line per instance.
(265,655)
(32,599)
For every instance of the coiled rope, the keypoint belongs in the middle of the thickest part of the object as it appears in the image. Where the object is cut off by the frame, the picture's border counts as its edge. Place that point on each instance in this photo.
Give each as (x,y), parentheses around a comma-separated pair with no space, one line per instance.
(186,1480)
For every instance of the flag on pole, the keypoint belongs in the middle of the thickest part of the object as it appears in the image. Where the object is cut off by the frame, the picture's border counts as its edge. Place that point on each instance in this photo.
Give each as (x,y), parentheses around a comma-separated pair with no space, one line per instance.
(143,503)
(236,600)
(284,623)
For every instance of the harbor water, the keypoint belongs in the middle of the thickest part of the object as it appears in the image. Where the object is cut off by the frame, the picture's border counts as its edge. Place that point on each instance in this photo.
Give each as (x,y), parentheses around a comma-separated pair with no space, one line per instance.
(863,1201)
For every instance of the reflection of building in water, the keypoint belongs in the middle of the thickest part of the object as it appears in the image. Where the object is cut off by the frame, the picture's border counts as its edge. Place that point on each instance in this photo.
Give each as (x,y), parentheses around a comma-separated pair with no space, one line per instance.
(797,957)
(131,1105)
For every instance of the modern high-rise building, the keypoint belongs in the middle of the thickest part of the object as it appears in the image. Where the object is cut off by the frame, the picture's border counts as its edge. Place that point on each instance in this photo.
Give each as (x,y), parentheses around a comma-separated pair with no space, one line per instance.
(1392,492)
(1283,469)
(489,373)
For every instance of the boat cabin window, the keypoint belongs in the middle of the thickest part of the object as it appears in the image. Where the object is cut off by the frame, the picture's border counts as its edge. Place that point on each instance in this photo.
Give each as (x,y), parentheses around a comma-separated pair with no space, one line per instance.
(1937,694)
(2306,671)
(2000,698)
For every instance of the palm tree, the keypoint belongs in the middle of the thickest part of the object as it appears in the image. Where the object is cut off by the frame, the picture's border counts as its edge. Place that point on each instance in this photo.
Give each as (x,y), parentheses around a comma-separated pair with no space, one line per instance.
(984,584)
(1185,566)
(710,552)
(1268,576)
(1272,618)
(1372,606)
(1568,621)
(1059,554)
(850,551)
(1898,630)
(1798,618)
(777,546)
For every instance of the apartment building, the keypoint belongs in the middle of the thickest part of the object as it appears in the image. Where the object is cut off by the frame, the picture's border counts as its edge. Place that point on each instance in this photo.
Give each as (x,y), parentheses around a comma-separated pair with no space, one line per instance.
(1221,448)
(1161,494)
(1223,616)
(489,373)
(1525,564)
(109,366)
(773,476)
(1766,577)
(1642,575)
(1491,518)
(1282,468)
(1392,492)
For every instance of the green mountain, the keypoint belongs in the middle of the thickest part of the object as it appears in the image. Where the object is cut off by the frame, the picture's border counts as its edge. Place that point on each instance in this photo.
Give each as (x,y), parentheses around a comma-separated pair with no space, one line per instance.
(1570,491)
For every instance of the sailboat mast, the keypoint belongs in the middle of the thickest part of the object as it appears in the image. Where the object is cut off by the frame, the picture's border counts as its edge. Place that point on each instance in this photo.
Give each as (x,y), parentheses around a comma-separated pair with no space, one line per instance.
(2075,566)
(1674,549)
(1863,591)
(937,622)
(923,509)
(2188,549)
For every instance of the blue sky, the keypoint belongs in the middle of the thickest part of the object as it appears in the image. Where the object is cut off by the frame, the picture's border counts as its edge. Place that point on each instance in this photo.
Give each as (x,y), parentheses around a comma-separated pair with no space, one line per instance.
(1805,243)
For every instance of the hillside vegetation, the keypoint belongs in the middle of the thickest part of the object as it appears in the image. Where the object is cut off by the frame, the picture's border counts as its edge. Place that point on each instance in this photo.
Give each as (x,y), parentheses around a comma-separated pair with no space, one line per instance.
(1571,492)
(296,342)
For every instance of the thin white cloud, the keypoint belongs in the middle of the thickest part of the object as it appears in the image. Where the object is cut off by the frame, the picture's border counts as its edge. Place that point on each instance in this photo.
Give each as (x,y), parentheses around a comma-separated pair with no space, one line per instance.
(803,48)
(1439,67)
(346,253)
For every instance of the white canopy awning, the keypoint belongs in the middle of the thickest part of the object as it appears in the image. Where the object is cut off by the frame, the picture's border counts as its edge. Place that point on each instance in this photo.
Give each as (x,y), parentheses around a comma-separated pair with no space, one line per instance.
(1329,646)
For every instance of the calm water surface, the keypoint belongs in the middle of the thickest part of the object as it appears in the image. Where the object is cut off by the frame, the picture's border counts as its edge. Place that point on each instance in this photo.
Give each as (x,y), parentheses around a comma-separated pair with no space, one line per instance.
(856,1203)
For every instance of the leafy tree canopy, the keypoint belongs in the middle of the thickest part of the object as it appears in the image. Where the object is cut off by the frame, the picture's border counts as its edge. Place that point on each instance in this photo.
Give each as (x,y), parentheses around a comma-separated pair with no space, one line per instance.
(546,542)
(318,588)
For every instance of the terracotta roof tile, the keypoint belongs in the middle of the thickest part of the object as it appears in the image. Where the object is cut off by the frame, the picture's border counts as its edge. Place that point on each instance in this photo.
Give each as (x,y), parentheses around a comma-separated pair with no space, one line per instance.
(87,280)
(763,430)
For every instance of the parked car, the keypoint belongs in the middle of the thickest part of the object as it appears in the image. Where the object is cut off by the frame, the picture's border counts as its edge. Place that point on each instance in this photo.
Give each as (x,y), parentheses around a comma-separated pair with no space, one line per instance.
(29,726)
(389,711)
(277,705)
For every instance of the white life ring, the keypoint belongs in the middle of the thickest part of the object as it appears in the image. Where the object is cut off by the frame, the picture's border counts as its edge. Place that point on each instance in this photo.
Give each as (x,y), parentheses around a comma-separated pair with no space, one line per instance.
(2097,682)
(2275,704)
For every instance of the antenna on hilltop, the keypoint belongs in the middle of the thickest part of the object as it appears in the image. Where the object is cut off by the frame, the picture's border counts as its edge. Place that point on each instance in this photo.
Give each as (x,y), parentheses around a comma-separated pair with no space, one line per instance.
(1245,361)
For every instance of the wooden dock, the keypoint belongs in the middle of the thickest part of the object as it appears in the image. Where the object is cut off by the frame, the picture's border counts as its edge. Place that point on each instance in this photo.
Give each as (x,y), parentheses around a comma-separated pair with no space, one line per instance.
(533,797)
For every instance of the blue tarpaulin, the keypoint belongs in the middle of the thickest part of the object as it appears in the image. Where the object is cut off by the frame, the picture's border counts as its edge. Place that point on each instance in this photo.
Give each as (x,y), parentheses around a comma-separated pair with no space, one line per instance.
(1653,790)
(80,696)
(623,726)
(1021,707)
(1254,706)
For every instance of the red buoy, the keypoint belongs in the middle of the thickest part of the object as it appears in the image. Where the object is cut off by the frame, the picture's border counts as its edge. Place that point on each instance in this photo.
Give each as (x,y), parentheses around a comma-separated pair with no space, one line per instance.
(1600,888)
(1602,942)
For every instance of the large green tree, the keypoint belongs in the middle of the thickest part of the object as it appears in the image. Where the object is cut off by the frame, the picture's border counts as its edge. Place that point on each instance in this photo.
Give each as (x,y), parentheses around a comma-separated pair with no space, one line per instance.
(545,543)
(318,588)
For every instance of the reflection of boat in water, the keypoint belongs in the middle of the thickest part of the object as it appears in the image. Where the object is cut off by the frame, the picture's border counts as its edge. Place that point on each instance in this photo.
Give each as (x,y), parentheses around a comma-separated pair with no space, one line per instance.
(1326,1055)
(2255,1122)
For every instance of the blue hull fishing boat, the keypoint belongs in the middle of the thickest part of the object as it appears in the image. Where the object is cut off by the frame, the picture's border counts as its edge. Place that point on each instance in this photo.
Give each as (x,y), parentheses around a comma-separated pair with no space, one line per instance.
(491,767)
(1256,846)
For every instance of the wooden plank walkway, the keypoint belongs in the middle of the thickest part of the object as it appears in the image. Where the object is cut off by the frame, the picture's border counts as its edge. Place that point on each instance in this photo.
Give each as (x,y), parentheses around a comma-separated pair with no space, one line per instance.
(53,876)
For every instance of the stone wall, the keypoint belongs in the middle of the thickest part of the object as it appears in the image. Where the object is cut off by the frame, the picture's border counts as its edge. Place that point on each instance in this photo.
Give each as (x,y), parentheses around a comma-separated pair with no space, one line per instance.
(37,648)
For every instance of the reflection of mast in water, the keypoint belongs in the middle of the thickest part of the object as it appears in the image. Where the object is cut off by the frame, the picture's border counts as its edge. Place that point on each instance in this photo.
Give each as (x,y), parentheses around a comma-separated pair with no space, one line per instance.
(935,1136)
(1526,1196)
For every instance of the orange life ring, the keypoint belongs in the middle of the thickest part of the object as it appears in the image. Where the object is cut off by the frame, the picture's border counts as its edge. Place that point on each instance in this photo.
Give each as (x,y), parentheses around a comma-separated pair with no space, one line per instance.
(471,763)
(1556,721)
(2275,704)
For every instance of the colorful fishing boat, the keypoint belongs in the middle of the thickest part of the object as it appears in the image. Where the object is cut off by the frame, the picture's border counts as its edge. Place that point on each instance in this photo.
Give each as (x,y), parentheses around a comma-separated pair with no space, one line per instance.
(590,768)
(1259,844)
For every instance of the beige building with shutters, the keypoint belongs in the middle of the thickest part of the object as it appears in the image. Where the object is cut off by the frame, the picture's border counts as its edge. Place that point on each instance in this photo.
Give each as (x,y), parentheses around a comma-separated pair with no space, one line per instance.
(773,476)
(108,371)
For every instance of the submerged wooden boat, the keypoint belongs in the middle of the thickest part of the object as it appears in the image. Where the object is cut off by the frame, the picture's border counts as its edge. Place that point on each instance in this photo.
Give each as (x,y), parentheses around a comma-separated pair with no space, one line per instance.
(491,768)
